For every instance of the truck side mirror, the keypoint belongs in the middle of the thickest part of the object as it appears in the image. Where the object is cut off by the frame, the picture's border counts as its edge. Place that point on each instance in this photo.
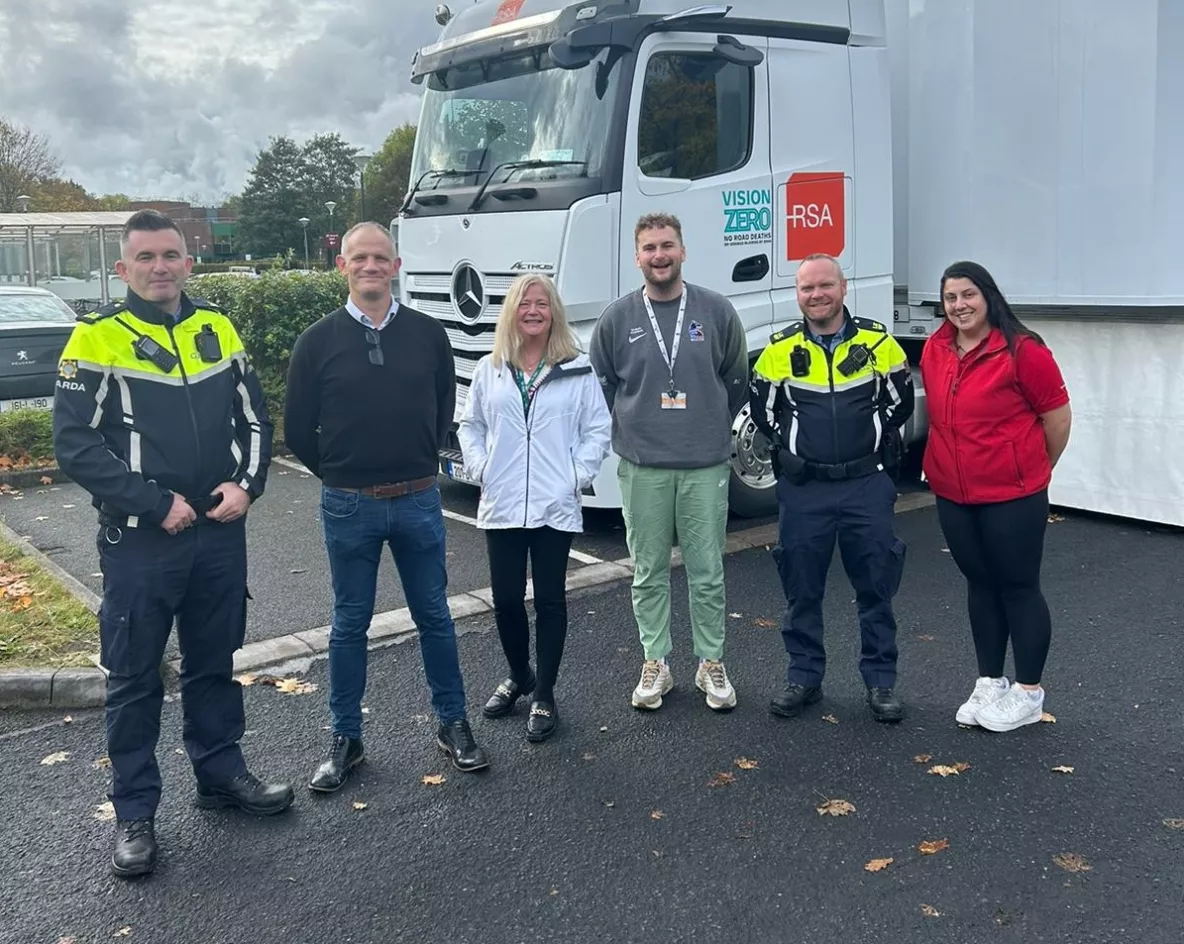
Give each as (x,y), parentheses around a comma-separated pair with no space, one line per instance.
(730,49)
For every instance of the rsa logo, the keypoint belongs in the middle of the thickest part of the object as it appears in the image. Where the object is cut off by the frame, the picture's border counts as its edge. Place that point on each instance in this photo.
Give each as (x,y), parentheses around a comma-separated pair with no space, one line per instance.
(815,214)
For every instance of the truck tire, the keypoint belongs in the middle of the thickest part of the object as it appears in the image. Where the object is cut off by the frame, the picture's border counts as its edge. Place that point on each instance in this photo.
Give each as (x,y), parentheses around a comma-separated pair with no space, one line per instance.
(750,492)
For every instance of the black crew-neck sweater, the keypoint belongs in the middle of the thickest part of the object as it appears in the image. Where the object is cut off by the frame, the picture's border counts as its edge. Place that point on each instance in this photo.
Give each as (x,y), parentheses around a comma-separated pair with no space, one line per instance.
(356,424)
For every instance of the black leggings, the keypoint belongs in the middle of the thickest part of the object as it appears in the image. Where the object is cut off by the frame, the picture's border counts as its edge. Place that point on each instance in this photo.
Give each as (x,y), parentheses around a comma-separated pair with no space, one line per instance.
(998,548)
(548,551)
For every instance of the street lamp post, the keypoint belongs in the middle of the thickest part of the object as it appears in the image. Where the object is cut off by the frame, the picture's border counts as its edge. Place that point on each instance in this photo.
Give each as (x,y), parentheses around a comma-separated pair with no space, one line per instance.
(330,205)
(361,160)
(30,249)
(304,221)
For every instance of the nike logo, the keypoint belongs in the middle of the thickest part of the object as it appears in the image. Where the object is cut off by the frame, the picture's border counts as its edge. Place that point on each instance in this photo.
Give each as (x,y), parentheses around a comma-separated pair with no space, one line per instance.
(636,337)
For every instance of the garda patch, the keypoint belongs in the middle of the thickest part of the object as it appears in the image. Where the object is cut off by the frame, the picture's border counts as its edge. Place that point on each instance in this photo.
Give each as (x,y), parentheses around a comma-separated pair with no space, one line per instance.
(68,369)
(695,331)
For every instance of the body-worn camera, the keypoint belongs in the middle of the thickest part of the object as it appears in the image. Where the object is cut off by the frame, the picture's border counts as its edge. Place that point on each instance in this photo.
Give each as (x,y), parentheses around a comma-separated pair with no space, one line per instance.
(148,350)
(208,346)
(799,362)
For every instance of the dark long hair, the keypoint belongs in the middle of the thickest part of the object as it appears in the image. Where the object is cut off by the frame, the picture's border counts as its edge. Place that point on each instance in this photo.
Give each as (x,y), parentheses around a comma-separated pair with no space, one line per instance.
(999,313)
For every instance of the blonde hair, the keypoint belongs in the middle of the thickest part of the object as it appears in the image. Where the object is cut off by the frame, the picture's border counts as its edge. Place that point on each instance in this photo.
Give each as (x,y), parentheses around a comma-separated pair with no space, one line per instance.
(507,338)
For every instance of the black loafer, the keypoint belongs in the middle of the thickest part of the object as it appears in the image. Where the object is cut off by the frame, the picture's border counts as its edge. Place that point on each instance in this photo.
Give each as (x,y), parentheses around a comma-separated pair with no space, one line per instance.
(542,720)
(456,740)
(135,848)
(505,696)
(345,753)
(885,705)
(249,794)
(793,698)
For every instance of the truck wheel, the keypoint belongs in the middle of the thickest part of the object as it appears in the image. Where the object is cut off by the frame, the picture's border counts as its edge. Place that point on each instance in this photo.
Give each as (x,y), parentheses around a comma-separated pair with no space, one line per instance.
(750,491)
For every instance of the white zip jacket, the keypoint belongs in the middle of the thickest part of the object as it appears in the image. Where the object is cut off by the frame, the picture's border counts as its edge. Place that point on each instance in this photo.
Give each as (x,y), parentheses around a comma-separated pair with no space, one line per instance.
(533,467)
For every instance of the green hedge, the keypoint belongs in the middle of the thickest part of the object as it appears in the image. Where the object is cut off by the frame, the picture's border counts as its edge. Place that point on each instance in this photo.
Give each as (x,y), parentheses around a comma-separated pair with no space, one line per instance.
(27,436)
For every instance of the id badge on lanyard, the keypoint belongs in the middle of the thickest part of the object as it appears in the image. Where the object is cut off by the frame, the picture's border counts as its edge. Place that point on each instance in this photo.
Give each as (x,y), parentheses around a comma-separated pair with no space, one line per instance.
(672,398)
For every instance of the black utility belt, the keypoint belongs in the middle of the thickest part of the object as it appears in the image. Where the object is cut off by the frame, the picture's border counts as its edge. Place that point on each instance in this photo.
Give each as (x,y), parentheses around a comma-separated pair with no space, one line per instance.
(798,469)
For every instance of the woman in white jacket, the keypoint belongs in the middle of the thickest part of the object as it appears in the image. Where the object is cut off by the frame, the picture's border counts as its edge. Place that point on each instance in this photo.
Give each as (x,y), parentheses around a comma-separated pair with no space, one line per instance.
(535,431)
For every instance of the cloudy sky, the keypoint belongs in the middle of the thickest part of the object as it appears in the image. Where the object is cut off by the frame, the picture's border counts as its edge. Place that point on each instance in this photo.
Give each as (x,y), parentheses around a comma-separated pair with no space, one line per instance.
(166,98)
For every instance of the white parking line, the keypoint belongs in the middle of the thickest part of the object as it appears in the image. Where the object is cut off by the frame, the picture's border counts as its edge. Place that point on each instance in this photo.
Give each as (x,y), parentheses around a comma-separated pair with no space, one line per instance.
(463,519)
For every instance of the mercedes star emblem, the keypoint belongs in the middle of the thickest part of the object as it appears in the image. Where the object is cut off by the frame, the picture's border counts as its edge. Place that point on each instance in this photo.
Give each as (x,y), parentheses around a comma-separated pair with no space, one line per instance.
(468,294)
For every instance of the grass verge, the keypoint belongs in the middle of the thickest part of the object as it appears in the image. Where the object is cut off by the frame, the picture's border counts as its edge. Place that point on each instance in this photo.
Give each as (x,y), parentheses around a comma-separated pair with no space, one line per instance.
(42,624)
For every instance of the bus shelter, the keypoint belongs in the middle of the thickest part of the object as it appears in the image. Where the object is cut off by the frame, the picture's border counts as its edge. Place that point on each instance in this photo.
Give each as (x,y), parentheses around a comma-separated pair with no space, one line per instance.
(60,251)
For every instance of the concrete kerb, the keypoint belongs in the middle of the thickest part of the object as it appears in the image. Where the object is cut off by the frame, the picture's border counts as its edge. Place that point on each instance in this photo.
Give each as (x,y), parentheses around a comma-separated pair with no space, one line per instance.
(53,688)
(396,625)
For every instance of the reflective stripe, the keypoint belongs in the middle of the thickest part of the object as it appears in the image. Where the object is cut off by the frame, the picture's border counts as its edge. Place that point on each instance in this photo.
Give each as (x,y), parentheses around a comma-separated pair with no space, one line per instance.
(100,396)
(134,458)
(256,444)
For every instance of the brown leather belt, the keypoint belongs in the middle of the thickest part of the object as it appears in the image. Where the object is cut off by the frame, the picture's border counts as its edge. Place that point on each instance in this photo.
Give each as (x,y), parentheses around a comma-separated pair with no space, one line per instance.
(395,489)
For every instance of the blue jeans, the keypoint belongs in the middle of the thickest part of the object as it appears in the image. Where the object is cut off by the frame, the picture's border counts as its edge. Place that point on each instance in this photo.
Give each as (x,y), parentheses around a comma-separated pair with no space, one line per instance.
(356,528)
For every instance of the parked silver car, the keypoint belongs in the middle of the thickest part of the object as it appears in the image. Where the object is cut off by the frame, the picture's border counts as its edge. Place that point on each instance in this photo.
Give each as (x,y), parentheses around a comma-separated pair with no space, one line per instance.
(34,327)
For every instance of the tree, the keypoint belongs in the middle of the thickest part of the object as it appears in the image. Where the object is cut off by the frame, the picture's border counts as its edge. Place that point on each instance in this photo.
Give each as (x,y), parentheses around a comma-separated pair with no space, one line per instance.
(330,174)
(55,195)
(113,201)
(25,160)
(388,174)
(273,200)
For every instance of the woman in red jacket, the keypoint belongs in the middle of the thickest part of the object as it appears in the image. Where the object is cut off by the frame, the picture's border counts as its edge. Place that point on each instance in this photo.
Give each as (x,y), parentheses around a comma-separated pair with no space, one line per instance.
(998,422)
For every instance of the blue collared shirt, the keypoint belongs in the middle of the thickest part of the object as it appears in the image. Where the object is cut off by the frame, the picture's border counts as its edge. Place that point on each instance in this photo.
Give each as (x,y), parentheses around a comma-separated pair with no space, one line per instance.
(832,342)
(360,316)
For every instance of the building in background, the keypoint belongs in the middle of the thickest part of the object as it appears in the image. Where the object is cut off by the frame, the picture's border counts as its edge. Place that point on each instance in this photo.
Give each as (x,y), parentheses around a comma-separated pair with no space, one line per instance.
(209,231)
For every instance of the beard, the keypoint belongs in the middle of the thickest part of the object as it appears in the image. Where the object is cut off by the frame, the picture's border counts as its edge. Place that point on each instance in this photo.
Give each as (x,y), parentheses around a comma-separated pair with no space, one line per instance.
(823,315)
(663,277)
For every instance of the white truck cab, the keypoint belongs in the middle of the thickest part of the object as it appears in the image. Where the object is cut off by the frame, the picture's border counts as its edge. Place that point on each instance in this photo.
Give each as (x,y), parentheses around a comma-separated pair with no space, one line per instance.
(549,128)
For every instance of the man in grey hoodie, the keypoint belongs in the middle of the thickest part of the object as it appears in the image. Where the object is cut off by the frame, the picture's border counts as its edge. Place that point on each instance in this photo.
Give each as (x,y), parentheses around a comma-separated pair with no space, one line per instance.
(673,363)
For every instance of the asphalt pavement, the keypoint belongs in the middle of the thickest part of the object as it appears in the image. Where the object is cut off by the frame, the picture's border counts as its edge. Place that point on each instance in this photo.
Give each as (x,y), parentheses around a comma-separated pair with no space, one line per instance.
(614,832)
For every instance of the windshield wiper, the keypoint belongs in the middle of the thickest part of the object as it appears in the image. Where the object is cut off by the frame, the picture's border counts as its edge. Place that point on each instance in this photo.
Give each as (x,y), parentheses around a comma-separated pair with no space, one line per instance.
(436,174)
(517,166)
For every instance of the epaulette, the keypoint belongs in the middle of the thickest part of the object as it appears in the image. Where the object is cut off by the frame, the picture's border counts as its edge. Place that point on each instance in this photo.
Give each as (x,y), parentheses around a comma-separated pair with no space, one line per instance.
(868,325)
(787,332)
(206,305)
(107,311)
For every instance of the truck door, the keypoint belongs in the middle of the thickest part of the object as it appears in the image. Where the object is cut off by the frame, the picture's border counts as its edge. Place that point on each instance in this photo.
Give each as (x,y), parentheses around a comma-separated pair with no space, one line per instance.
(697,146)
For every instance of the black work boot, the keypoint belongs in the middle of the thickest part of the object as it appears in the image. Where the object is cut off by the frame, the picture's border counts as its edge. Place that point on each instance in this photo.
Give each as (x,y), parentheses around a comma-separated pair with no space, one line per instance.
(345,753)
(885,705)
(793,698)
(135,848)
(456,740)
(249,794)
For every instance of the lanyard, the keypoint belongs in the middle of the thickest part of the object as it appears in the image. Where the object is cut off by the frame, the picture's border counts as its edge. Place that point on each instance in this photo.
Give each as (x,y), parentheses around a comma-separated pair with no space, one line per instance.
(671,357)
(525,387)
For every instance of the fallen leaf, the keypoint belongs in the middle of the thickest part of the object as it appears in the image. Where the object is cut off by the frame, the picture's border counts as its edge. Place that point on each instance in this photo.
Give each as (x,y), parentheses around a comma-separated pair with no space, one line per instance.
(735,615)
(433,780)
(656,814)
(69,719)
(67,506)
(66,940)
(1063,769)
(922,758)
(1053,519)
(926,638)
(123,932)
(179,751)
(1047,718)
(1174,823)
(745,764)
(41,518)
(589,757)
(359,805)
(830,718)
(764,623)
(55,758)
(102,763)
(933,846)
(1071,862)
(930,912)
(603,728)
(293,686)
(836,808)
(246,680)
(609,803)
(721,779)
(365,711)
(105,812)
(944,770)
(299,570)
(878,865)
(46,480)
(554,891)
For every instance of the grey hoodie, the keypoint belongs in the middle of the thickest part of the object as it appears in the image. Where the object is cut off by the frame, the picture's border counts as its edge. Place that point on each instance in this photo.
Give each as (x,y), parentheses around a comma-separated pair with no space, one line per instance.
(711,369)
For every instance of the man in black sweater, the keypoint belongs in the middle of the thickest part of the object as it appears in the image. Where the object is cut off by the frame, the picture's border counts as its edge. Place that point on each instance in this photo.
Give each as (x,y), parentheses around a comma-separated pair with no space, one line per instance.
(371,392)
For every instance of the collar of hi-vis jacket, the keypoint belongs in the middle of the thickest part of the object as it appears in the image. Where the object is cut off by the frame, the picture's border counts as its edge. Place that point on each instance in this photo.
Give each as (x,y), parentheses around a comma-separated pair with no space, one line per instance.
(847,330)
(153,314)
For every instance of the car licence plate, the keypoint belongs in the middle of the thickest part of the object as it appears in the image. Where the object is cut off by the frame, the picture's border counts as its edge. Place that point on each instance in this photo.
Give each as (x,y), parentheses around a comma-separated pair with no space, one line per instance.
(456,472)
(29,403)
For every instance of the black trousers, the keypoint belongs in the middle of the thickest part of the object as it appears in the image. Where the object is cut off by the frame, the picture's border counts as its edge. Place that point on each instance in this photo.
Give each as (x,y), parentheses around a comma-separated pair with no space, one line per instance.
(998,548)
(150,578)
(859,513)
(547,550)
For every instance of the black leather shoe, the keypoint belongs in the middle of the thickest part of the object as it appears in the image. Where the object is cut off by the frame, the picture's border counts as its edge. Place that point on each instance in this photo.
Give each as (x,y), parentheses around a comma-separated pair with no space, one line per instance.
(505,696)
(540,725)
(135,848)
(249,794)
(793,698)
(885,705)
(456,740)
(345,753)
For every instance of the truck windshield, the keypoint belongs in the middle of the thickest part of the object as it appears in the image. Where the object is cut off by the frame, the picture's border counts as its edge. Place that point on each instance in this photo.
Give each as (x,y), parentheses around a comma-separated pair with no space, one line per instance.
(481,115)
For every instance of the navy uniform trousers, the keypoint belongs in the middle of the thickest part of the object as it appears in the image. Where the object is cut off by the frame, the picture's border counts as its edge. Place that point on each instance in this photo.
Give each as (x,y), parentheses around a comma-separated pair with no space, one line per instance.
(150,577)
(859,512)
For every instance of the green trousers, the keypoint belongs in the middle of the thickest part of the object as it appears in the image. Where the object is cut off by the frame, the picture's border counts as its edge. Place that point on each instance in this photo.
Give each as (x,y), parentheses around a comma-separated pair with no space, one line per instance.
(656,504)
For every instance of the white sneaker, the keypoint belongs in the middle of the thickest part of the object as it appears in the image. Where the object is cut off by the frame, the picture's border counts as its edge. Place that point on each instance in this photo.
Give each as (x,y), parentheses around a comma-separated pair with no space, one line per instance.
(986,691)
(1016,708)
(656,681)
(712,680)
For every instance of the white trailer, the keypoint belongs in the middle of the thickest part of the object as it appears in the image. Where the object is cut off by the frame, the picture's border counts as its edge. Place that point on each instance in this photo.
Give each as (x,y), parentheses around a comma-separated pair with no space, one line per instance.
(897,135)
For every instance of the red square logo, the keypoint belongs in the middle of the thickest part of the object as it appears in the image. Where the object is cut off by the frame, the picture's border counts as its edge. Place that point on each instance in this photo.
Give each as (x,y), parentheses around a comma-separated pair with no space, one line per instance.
(508,10)
(814,208)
